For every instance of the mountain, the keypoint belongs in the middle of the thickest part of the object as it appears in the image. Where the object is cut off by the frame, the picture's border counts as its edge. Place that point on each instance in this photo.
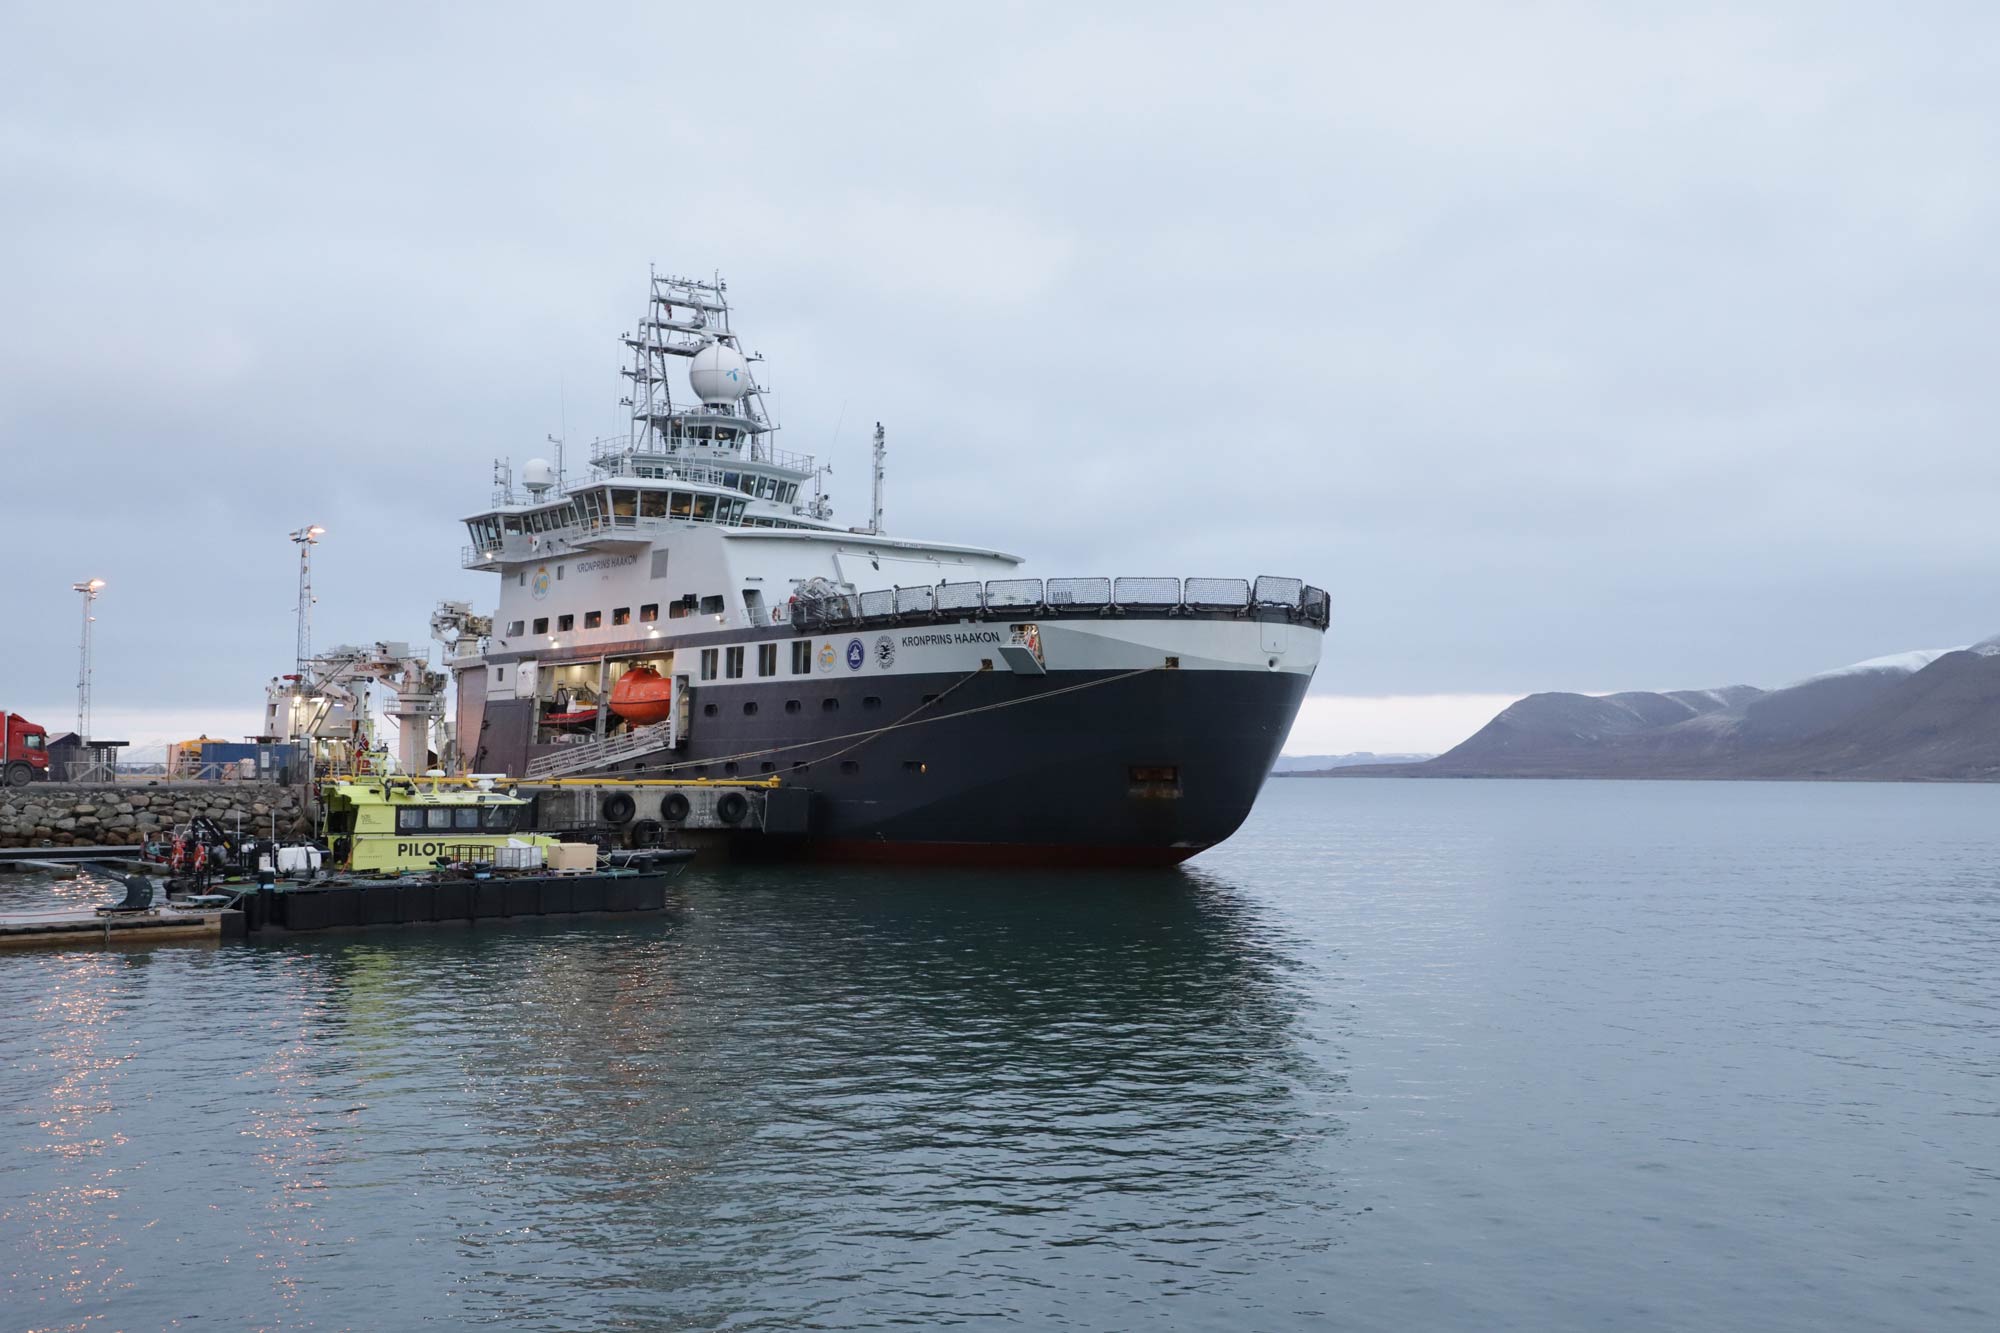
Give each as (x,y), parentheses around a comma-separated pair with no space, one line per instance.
(1929,714)
(1318,763)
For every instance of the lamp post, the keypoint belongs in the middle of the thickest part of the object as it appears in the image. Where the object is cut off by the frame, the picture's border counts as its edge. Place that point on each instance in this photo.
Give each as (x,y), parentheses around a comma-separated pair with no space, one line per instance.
(305,539)
(89,588)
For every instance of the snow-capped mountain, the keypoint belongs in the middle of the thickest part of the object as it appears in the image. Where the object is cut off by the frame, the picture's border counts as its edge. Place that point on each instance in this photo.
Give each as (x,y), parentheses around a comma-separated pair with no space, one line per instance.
(1923,714)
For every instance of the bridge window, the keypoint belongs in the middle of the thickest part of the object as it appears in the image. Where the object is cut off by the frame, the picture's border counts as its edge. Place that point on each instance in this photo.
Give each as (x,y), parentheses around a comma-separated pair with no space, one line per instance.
(652,504)
(465,817)
(409,819)
(625,506)
(500,818)
(704,508)
(681,505)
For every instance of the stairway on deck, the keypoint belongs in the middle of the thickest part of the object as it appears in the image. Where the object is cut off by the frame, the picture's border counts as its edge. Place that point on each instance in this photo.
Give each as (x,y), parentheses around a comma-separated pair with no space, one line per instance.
(602,754)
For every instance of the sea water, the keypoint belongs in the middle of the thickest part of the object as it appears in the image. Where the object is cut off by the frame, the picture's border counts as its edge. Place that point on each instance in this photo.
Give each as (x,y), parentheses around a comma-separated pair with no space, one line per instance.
(1401,1054)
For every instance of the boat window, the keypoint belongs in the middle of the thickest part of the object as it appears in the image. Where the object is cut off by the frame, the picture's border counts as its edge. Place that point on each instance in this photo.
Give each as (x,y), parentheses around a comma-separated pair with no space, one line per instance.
(515,627)
(513,525)
(704,508)
(593,619)
(564,624)
(466,817)
(733,667)
(438,817)
(409,819)
(767,659)
(730,479)
(676,610)
(625,504)
(500,817)
(711,606)
(681,505)
(802,656)
(652,504)
(708,656)
(541,624)
(649,612)
(621,615)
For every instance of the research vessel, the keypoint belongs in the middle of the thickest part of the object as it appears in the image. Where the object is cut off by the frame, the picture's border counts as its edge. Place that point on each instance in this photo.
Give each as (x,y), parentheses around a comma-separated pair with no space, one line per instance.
(692,609)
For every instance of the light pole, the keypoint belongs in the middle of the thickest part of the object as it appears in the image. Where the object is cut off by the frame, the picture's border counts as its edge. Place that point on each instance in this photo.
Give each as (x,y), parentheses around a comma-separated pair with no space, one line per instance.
(89,588)
(305,539)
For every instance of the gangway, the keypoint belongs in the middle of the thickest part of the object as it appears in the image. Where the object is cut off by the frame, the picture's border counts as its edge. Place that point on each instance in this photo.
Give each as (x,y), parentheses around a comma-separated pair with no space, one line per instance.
(582,755)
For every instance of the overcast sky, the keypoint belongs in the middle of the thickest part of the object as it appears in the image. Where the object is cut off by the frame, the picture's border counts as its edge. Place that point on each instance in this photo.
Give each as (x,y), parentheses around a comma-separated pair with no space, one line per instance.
(1585,348)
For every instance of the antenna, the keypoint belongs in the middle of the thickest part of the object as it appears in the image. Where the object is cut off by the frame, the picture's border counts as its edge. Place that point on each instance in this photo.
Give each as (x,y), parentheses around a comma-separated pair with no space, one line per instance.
(881,452)
(89,588)
(305,539)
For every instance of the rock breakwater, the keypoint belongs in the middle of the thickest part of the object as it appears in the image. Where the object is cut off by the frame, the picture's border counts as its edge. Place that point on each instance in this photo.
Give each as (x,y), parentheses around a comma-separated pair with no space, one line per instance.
(65,814)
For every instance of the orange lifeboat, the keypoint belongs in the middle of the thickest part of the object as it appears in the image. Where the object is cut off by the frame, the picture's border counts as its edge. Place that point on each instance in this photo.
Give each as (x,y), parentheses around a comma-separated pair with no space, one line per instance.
(642,696)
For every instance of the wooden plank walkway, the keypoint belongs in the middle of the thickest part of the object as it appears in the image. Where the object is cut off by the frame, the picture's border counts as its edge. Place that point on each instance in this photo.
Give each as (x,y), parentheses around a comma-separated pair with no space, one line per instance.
(73,926)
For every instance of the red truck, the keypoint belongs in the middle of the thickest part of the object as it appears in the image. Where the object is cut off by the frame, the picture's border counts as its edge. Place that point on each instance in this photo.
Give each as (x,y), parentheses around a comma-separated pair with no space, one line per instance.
(24,750)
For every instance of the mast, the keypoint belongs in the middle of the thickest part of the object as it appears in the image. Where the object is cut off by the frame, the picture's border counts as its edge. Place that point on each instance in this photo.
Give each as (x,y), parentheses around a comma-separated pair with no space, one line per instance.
(875,515)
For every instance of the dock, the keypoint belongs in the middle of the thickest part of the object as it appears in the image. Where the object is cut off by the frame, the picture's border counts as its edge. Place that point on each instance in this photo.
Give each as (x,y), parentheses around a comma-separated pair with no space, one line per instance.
(74,927)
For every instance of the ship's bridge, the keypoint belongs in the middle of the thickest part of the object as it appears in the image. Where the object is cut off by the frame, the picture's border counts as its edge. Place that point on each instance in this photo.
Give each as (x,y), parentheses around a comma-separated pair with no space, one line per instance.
(636,510)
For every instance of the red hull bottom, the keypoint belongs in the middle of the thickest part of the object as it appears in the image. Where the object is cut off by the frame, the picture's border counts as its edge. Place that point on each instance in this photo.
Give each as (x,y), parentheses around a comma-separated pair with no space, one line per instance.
(883,852)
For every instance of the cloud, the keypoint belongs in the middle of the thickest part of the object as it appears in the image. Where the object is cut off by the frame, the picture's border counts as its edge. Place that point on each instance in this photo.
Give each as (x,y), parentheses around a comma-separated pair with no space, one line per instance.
(1572,344)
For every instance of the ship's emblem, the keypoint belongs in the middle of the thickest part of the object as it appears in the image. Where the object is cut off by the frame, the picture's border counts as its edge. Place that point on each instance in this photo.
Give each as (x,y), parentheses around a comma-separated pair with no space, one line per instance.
(885,652)
(856,654)
(540,583)
(826,657)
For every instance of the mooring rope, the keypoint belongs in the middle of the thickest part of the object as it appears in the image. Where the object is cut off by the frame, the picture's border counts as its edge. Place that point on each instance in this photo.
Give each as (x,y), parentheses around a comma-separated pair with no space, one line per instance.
(908,720)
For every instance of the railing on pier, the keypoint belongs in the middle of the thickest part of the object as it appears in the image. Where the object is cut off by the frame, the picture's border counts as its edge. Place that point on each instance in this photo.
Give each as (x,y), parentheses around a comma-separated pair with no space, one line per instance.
(1267,598)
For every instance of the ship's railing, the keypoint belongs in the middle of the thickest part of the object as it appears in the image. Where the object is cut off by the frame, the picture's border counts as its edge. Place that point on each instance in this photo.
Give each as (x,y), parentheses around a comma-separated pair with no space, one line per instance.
(1267,598)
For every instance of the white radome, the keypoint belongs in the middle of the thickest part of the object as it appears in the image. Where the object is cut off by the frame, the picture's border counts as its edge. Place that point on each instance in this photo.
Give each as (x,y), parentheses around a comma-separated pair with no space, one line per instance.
(719,374)
(538,474)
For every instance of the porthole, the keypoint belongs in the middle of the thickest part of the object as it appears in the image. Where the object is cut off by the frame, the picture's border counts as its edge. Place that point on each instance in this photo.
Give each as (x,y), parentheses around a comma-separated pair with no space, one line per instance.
(829,705)
(750,708)
(793,705)
(709,710)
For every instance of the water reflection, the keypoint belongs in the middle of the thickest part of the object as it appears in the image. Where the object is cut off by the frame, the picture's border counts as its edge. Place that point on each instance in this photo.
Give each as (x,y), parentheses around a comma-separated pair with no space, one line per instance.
(791,1084)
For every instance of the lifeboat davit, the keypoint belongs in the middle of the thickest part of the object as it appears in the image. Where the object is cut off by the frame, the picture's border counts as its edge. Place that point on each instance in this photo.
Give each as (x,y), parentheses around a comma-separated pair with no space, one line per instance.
(642,696)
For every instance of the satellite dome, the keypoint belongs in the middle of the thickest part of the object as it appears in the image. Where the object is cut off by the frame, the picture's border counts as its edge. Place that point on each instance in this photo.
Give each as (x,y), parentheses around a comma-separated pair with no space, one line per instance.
(719,374)
(538,474)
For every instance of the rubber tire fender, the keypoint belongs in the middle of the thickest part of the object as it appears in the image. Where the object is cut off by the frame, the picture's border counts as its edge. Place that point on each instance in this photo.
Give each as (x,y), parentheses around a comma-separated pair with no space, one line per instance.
(732,807)
(645,833)
(618,807)
(675,808)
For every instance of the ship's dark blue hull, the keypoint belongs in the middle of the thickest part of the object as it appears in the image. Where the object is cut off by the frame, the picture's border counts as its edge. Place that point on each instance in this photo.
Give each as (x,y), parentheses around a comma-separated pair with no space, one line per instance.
(1111,768)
